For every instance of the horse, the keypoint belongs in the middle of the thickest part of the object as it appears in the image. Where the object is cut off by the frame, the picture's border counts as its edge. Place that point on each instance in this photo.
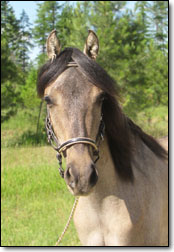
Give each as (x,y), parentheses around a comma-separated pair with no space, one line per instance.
(164,142)
(119,172)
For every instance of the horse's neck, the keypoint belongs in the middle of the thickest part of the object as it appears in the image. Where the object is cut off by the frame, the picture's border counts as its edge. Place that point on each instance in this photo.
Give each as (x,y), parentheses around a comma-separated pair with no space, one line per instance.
(109,182)
(108,178)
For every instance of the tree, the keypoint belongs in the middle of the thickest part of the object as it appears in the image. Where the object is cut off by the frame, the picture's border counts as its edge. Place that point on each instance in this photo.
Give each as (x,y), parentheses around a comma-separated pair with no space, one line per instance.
(8,68)
(47,18)
(159,13)
(142,9)
(64,25)
(9,26)
(105,16)
(25,43)
(28,91)
(10,72)
(80,24)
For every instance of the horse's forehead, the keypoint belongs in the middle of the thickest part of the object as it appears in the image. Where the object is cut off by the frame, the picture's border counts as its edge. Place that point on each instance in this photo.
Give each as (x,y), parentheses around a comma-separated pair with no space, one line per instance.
(73,84)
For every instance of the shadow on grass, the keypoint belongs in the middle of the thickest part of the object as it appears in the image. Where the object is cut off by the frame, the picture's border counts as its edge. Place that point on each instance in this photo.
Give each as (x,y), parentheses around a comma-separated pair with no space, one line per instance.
(28,138)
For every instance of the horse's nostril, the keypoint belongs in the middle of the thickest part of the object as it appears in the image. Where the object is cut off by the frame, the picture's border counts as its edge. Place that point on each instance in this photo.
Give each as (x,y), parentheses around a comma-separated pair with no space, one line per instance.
(72,184)
(93,177)
(68,173)
(71,174)
(71,178)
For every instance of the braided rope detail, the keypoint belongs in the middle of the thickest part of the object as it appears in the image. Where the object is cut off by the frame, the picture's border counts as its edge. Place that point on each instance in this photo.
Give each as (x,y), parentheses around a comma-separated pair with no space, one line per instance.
(68,222)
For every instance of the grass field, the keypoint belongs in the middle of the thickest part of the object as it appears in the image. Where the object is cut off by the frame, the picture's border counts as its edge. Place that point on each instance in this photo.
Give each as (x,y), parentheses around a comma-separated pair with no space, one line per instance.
(35,203)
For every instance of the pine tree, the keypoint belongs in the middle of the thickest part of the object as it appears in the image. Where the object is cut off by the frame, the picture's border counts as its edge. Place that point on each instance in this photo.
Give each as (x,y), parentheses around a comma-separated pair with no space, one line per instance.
(25,42)
(9,32)
(47,18)
(142,9)
(105,16)
(79,24)
(9,26)
(10,71)
(159,12)
(64,25)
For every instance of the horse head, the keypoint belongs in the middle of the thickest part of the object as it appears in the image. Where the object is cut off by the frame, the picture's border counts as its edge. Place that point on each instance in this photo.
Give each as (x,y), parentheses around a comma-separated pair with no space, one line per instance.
(74,105)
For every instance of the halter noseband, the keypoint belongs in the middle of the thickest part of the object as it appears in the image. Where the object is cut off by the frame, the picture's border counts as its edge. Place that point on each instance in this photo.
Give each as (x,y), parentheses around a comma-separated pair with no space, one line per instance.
(61,148)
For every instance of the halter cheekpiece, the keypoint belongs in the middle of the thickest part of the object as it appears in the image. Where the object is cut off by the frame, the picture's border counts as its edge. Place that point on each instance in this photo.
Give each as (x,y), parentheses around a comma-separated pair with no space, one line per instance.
(61,148)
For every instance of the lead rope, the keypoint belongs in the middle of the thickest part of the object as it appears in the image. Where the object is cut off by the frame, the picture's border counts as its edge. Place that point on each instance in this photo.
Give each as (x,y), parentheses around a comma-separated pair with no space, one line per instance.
(68,222)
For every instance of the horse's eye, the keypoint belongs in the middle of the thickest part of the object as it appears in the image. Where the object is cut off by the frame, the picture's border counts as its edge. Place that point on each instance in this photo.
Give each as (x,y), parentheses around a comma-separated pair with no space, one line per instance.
(101,98)
(47,99)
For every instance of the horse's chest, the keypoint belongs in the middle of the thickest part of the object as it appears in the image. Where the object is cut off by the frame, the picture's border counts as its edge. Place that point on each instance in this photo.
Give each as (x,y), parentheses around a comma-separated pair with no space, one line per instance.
(116,222)
(103,225)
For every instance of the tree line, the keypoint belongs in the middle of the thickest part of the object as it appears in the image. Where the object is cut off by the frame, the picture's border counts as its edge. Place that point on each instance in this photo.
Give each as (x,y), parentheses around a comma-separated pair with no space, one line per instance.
(133,48)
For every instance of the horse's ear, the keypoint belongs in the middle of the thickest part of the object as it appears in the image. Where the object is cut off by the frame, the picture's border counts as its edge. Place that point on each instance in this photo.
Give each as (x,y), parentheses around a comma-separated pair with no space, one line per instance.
(92,45)
(53,45)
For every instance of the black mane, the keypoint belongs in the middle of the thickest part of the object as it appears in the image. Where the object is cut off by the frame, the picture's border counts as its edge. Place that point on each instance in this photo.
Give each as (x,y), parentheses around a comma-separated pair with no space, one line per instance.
(119,128)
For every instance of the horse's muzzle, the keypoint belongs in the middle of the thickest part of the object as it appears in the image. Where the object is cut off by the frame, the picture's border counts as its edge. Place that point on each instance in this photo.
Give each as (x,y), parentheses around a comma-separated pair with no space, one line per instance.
(80,182)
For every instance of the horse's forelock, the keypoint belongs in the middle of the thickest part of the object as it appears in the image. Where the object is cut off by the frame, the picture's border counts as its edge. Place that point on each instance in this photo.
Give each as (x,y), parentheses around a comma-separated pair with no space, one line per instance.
(51,70)
(93,72)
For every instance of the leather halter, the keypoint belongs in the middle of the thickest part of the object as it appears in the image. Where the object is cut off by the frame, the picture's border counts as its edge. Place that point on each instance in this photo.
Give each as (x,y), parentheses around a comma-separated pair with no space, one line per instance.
(61,148)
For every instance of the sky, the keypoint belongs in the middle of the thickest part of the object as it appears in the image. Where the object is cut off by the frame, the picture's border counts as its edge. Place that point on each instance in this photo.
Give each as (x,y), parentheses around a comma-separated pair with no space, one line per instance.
(28,6)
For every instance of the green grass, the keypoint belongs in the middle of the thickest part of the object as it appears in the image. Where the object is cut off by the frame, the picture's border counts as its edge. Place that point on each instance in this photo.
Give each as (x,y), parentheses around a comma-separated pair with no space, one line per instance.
(20,130)
(154,121)
(35,203)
